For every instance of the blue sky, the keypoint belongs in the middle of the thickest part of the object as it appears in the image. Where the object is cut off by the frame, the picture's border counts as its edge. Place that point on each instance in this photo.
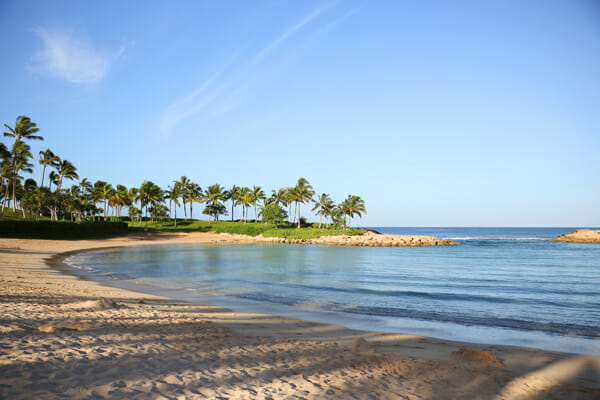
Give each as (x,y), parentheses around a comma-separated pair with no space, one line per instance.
(436,113)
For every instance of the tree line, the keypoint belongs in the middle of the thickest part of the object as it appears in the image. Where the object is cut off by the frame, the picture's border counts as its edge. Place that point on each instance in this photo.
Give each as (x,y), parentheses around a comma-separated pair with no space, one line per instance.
(84,200)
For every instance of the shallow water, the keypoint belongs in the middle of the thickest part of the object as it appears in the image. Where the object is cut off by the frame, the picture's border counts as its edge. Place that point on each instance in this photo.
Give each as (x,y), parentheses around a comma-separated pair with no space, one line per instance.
(501,285)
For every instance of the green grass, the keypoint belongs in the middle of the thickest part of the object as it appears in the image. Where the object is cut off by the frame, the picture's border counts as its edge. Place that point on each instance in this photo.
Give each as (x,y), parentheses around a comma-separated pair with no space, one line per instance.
(286,230)
(309,233)
(250,229)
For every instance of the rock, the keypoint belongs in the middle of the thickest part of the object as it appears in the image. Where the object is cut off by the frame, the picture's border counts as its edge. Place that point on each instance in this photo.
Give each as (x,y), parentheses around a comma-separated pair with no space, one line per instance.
(579,236)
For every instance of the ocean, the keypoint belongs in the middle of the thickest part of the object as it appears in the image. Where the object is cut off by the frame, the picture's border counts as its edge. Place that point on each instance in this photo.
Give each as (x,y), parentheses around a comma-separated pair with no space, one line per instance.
(510,286)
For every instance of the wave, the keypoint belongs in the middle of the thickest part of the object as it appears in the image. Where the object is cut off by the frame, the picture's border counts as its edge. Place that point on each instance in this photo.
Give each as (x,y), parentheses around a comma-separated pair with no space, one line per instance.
(446,317)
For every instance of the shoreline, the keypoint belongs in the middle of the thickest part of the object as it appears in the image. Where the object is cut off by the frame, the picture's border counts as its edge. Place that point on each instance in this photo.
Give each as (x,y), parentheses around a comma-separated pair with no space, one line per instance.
(525,372)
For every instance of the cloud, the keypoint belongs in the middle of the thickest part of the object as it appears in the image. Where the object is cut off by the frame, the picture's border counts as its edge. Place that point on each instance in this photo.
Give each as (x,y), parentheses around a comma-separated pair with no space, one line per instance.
(203,96)
(68,57)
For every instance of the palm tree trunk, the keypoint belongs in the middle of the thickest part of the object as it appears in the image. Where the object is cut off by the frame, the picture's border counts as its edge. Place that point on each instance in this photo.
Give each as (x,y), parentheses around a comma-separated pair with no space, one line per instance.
(191,211)
(255,214)
(298,205)
(184,211)
(232,205)
(14,197)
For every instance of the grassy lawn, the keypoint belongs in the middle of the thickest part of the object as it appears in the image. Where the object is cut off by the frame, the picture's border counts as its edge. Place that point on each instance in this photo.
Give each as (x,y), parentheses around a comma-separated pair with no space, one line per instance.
(250,228)
(285,230)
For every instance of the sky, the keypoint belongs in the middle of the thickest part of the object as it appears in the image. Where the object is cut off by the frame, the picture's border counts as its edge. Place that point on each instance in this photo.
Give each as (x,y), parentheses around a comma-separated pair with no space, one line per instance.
(462,113)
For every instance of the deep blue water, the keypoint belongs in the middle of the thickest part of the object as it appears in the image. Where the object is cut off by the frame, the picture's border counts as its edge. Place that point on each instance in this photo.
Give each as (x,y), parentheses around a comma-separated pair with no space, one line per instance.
(501,285)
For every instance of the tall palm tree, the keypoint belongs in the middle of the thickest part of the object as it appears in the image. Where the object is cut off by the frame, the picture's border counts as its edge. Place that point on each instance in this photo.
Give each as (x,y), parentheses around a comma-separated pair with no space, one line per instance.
(353,205)
(321,206)
(214,196)
(244,198)
(195,195)
(134,196)
(150,195)
(280,196)
(47,157)
(85,186)
(234,196)
(328,209)
(24,129)
(184,182)
(257,195)
(21,153)
(172,193)
(121,198)
(301,193)
(52,178)
(67,170)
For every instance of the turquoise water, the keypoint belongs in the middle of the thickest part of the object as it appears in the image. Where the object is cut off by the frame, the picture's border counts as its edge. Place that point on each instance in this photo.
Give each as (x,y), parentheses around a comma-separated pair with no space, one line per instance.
(501,285)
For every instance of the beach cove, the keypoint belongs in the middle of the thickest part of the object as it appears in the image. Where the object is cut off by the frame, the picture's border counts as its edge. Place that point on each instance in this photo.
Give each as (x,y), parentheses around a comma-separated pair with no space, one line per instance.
(67,337)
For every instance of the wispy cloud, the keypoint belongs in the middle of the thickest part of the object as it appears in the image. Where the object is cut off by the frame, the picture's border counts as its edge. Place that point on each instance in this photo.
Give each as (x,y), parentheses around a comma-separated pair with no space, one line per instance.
(289,32)
(70,57)
(234,84)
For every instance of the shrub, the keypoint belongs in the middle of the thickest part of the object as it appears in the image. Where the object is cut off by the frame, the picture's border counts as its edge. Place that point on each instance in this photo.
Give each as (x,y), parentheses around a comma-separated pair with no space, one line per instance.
(60,229)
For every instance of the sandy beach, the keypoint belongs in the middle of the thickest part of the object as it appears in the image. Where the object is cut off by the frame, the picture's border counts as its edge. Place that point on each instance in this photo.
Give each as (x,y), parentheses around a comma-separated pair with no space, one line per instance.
(65,337)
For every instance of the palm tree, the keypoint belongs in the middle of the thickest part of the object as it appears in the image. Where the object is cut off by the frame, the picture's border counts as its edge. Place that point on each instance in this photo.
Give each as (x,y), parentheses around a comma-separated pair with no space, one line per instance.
(213,196)
(257,195)
(102,191)
(321,206)
(21,153)
(173,195)
(245,197)
(121,198)
(134,196)
(85,186)
(47,157)
(195,195)
(65,170)
(353,205)
(184,182)
(150,195)
(328,210)
(280,196)
(302,193)
(24,129)
(233,194)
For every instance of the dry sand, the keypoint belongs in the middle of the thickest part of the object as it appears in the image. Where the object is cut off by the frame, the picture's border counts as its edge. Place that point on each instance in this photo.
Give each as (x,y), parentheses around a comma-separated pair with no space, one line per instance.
(64,337)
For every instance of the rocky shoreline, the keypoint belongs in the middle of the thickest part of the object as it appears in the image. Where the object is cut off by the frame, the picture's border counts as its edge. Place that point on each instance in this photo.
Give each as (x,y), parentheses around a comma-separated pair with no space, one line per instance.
(579,236)
(369,239)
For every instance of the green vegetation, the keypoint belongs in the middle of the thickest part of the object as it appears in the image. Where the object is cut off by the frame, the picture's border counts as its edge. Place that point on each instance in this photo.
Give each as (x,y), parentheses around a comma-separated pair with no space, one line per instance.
(47,229)
(293,233)
(85,202)
(285,230)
